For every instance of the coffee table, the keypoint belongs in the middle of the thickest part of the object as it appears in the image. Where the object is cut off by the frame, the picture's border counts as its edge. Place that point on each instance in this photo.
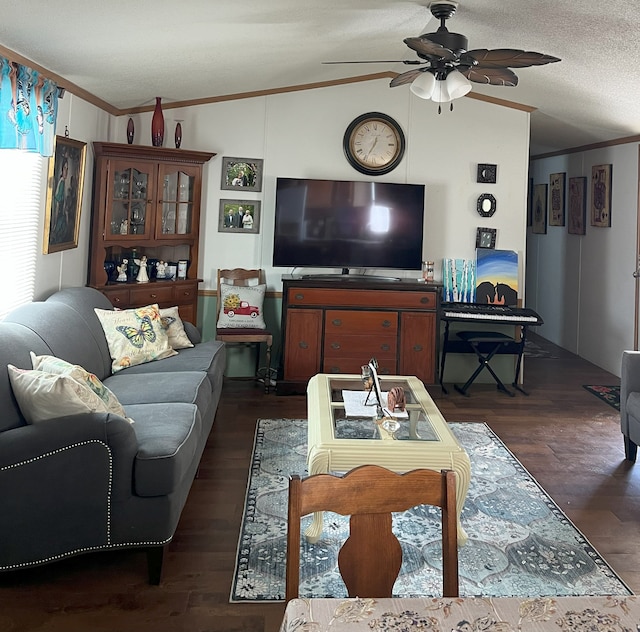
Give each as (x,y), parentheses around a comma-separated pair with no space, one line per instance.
(338,443)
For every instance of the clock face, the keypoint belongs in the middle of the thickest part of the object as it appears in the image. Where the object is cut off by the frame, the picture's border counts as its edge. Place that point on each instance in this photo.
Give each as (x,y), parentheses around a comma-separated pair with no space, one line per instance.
(374,143)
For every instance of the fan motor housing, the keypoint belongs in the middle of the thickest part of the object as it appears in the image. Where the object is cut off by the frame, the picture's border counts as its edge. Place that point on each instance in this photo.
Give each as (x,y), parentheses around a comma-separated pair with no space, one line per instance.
(453,41)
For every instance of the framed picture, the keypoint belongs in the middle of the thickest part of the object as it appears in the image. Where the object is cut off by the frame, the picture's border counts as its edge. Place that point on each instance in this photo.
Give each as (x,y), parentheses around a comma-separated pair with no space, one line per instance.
(539,218)
(577,206)
(556,210)
(243,174)
(64,195)
(601,195)
(239,216)
(486,238)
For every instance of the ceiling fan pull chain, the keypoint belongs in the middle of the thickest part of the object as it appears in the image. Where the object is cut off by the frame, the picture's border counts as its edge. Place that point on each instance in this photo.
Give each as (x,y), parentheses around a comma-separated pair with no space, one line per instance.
(439,109)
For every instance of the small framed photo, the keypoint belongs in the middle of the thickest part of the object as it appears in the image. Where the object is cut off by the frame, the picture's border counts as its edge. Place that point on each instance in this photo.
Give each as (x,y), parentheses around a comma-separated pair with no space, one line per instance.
(241,174)
(556,210)
(64,195)
(539,210)
(577,205)
(486,238)
(601,195)
(239,216)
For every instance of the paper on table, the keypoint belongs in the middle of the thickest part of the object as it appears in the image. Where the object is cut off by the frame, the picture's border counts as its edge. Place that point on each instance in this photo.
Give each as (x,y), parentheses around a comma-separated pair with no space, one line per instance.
(354,404)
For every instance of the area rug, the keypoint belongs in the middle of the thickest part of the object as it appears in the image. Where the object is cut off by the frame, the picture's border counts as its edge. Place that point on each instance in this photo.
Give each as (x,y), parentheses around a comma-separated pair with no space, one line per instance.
(608,394)
(520,542)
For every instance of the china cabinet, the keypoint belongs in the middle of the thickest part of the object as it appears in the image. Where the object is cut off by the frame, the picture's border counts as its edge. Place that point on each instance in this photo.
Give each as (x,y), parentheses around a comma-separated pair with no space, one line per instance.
(146,210)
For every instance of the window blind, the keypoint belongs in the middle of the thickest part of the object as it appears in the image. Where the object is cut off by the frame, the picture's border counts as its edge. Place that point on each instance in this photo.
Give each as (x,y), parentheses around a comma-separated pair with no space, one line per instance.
(21,175)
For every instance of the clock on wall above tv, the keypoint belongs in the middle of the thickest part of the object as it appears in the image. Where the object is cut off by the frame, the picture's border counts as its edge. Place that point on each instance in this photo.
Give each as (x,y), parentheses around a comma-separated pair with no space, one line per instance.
(348,224)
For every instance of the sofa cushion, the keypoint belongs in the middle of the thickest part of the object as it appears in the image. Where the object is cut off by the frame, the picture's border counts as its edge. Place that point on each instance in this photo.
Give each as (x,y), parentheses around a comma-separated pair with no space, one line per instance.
(189,387)
(173,325)
(241,306)
(169,438)
(42,396)
(57,366)
(134,336)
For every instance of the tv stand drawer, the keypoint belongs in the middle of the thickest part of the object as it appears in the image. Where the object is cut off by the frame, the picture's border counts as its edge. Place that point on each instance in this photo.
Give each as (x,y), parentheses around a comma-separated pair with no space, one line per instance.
(343,297)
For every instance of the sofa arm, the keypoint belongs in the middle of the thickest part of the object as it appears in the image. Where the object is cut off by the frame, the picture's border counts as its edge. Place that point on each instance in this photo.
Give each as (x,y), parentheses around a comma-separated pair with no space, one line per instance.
(59,481)
(629,383)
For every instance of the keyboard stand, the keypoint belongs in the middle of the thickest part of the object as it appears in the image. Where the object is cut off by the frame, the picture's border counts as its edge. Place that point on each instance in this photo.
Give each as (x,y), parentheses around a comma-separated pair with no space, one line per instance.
(485,344)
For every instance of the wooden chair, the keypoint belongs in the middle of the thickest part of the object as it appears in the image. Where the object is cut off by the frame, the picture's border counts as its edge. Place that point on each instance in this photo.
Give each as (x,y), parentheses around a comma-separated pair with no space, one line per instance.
(242,277)
(370,559)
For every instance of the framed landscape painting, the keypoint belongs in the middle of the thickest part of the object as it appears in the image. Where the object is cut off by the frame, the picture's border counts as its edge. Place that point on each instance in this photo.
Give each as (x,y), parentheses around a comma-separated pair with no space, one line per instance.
(577,205)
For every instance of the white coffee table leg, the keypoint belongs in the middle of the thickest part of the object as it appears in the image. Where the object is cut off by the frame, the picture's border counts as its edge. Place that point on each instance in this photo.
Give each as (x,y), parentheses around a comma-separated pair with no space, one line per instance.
(462,467)
(317,463)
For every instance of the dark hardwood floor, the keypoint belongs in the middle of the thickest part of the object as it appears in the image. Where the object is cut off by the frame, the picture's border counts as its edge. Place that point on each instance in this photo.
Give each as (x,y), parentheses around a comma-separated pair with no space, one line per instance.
(566,437)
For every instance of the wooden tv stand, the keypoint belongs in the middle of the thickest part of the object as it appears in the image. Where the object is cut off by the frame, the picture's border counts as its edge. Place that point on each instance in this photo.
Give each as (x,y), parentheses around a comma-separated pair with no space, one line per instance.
(335,325)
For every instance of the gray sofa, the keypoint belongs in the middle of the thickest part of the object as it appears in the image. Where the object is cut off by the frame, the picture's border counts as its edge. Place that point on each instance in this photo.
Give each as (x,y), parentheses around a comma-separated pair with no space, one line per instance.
(92,482)
(630,403)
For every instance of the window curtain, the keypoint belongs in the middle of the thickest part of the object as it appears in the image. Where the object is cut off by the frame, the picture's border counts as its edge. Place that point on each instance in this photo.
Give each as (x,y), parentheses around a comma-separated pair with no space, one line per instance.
(28,109)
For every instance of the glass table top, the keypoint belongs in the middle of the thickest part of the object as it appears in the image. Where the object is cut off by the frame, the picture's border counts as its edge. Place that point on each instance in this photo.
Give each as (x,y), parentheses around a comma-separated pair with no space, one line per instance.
(361,418)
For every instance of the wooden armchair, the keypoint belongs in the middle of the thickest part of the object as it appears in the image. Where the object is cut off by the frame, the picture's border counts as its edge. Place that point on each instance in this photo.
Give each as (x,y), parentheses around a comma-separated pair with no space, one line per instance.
(244,278)
(370,559)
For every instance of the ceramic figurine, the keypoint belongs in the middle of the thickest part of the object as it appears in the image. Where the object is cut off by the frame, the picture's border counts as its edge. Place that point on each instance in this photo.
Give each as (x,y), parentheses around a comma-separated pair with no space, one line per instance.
(143,275)
(396,399)
(122,271)
(161,266)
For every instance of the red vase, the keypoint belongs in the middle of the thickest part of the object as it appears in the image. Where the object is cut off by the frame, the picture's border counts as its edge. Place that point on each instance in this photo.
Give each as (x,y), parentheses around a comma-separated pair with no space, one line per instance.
(130,131)
(178,136)
(157,125)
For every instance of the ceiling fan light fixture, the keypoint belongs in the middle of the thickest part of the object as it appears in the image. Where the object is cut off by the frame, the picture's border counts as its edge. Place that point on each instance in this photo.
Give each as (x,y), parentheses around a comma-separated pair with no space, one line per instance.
(423,85)
(457,85)
(441,92)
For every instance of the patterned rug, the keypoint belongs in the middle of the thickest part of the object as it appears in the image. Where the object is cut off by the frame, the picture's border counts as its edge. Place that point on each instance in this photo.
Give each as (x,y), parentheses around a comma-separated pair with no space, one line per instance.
(608,394)
(520,541)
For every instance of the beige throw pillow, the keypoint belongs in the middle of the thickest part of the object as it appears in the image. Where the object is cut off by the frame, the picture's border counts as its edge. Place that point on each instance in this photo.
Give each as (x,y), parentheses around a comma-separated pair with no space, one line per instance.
(174,327)
(134,336)
(57,366)
(42,396)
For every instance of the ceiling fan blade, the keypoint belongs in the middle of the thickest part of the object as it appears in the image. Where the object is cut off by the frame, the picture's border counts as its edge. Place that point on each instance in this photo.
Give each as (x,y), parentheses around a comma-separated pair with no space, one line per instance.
(492,76)
(424,46)
(507,58)
(405,77)
(409,62)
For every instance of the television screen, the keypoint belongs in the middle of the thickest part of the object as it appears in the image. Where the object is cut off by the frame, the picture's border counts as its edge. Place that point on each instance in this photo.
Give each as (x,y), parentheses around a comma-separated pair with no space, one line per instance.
(344,224)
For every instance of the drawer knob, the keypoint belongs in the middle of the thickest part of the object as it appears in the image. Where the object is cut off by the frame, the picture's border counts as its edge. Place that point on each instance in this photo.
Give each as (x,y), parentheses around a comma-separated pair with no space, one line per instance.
(116,300)
(386,323)
(153,295)
(299,297)
(384,347)
(425,299)
(417,347)
(335,345)
(303,345)
(336,322)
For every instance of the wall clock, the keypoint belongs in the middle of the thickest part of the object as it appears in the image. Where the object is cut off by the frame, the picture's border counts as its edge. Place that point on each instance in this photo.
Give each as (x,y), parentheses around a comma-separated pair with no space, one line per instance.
(486,205)
(374,143)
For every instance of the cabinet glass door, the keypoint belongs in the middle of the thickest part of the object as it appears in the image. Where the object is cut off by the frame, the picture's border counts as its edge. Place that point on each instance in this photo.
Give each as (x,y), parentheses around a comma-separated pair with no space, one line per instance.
(177,203)
(127,214)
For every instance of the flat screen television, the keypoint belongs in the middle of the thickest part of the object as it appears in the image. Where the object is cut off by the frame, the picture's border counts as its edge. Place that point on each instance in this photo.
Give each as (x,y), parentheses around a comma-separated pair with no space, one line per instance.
(348,224)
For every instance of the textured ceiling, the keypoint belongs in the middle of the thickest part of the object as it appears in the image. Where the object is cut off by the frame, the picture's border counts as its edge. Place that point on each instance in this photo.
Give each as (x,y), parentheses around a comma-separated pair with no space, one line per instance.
(125,53)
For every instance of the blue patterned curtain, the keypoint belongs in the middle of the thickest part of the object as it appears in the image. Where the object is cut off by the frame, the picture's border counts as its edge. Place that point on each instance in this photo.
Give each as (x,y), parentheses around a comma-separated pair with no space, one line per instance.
(28,109)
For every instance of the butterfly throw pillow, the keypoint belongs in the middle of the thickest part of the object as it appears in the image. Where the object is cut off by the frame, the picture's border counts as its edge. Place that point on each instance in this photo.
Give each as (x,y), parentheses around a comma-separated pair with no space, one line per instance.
(134,336)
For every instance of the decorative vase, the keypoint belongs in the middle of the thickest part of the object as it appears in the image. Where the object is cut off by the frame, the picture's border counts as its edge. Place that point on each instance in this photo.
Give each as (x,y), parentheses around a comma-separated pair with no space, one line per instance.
(130,131)
(157,125)
(178,135)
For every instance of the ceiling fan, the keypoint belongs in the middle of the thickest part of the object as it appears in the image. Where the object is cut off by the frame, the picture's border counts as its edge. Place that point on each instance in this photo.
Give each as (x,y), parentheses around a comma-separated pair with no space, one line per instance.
(447,66)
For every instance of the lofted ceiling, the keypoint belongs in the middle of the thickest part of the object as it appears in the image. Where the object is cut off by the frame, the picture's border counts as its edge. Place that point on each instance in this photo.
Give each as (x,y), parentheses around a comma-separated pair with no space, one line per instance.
(126,53)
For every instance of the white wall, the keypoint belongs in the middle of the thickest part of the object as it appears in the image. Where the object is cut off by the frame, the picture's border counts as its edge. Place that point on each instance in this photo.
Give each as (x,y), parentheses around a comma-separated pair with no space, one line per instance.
(582,285)
(299,134)
(68,268)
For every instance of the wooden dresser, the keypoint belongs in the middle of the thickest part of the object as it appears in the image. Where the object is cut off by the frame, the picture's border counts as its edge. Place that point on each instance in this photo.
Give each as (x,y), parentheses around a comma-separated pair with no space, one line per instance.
(336,325)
